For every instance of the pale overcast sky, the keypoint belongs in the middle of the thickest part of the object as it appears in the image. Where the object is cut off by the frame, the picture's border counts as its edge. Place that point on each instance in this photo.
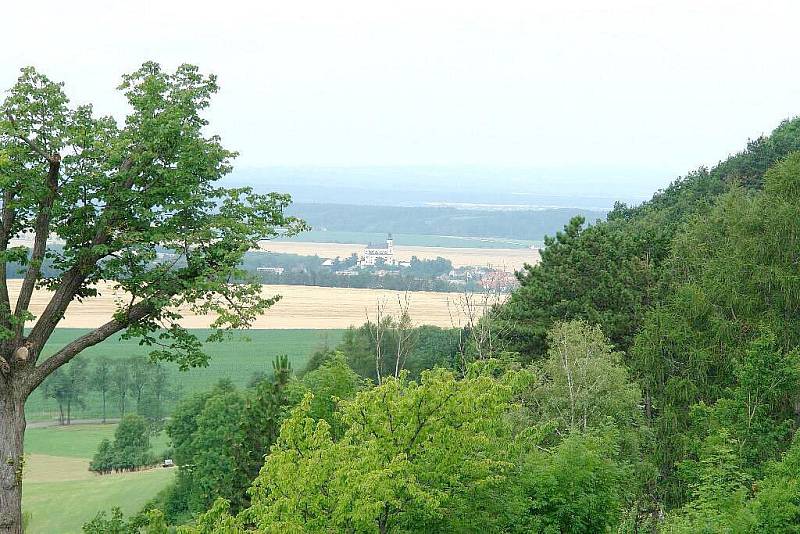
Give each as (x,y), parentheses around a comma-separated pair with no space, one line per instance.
(642,86)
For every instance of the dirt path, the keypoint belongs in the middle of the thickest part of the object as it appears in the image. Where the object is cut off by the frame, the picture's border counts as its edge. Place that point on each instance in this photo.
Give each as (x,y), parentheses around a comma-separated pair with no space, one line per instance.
(74,422)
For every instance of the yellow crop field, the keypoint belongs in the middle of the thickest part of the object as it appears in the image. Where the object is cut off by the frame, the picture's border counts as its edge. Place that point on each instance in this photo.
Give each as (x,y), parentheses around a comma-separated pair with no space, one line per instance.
(300,307)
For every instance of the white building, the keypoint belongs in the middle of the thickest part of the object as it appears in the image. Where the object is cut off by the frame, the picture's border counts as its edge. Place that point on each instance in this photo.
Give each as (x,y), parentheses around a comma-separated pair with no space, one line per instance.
(272,270)
(376,254)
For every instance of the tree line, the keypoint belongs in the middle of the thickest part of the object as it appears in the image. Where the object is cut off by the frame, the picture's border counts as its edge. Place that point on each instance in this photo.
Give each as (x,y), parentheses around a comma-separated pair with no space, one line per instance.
(134,384)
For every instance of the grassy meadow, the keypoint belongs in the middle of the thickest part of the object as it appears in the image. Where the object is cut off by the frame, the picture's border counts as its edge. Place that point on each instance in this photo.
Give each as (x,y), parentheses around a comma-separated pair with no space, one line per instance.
(237,359)
(59,491)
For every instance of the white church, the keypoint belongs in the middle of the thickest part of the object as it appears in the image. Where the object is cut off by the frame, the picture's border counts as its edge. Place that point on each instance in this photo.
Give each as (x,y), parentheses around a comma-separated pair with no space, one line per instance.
(374,253)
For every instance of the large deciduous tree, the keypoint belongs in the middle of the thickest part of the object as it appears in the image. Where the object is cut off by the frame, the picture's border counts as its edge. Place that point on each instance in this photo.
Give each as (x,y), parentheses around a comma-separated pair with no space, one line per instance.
(116,195)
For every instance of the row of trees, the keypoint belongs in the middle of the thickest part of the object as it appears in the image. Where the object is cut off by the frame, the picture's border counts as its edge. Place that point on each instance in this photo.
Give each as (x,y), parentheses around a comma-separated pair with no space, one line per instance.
(126,383)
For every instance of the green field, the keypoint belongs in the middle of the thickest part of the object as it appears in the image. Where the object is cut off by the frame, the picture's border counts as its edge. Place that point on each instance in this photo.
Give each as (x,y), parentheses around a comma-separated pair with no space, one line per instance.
(77,441)
(414,240)
(61,494)
(238,359)
(63,507)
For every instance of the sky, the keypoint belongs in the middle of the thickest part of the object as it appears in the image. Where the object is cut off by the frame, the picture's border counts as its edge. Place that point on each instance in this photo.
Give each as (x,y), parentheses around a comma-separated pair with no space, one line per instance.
(619,93)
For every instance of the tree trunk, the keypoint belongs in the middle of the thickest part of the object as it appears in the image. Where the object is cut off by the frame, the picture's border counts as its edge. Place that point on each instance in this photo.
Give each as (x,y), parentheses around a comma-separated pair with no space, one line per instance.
(104,406)
(383,520)
(12,430)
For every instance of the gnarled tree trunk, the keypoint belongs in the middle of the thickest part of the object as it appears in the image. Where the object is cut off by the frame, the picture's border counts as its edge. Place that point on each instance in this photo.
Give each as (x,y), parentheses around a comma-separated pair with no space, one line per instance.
(12,431)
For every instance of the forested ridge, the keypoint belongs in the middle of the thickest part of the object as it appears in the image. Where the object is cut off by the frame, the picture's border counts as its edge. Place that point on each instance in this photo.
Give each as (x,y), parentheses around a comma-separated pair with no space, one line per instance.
(520,223)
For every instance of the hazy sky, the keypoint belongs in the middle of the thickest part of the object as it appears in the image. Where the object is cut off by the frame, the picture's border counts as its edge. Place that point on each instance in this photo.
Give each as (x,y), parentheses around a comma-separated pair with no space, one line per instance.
(650,88)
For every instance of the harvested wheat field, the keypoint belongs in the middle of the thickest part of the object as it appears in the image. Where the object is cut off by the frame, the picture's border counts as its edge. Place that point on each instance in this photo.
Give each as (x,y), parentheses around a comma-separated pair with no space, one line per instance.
(300,307)
(508,259)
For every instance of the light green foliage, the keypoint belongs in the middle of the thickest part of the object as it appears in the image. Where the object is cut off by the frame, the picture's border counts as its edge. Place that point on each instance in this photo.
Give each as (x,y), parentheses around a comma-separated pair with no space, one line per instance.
(582,398)
(776,505)
(330,383)
(583,383)
(718,488)
(413,455)
(575,488)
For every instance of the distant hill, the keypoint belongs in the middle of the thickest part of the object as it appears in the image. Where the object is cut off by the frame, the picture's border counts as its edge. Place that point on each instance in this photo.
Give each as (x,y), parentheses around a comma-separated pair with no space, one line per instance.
(453,186)
(526,224)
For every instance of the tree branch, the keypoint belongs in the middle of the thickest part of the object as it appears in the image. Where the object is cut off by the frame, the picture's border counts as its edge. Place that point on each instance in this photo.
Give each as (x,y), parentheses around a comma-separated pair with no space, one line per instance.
(135,313)
(74,278)
(7,216)
(33,146)
(42,232)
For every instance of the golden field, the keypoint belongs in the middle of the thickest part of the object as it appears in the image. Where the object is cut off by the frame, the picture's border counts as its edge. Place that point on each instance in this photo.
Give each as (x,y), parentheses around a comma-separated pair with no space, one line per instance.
(300,307)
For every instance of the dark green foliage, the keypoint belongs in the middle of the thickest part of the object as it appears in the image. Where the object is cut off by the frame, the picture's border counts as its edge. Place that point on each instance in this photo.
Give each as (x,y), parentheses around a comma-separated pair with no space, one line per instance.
(733,274)
(611,273)
(423,347)
(101,380)
(596,274)
(68,385)
(220,439)
(130,449)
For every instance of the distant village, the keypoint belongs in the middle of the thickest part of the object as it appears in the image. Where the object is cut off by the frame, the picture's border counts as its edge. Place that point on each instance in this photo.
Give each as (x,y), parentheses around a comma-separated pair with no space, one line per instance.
(378,261)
